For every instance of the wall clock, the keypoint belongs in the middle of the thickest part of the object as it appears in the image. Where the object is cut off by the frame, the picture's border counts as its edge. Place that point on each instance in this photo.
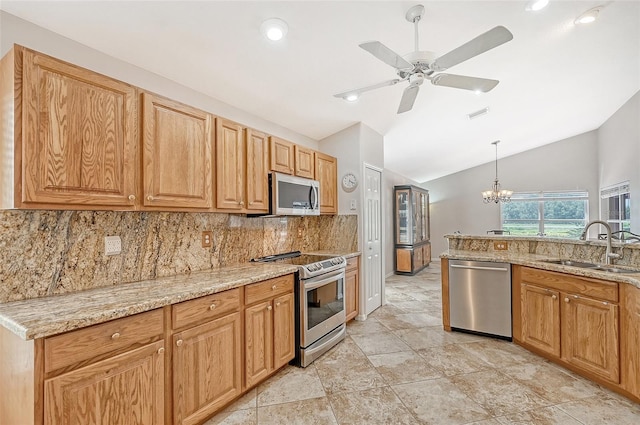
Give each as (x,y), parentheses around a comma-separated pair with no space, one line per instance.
(349,182)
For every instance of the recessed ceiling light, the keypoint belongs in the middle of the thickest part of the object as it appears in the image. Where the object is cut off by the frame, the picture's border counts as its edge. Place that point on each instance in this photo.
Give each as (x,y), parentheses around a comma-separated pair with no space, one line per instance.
(535,5)
(588,16)
(274,29)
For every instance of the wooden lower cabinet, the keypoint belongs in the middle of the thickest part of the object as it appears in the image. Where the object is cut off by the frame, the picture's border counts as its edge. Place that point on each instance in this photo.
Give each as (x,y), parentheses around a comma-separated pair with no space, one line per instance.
(411,259)
(541,318)
(590,335)
(630,339)
(571,320)
(125,389)
(269,328)
(351,284)
(206,368)
(179,364)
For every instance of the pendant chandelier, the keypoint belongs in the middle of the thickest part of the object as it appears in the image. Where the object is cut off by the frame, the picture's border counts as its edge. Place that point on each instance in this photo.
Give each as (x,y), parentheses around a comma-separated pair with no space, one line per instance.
(496,194)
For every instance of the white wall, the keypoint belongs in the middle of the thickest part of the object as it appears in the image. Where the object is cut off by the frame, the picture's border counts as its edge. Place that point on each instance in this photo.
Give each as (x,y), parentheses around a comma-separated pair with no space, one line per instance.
(456,201)
(619,153)
(18,31)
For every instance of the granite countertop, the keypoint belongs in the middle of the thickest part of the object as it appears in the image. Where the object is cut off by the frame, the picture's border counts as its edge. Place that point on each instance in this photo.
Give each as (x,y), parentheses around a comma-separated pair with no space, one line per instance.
(46,316)
(537,261)
(345,254)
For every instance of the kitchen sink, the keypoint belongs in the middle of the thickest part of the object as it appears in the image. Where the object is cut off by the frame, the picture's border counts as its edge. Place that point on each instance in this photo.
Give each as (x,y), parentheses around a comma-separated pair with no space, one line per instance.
(571,263)
(613,269)
(592,266)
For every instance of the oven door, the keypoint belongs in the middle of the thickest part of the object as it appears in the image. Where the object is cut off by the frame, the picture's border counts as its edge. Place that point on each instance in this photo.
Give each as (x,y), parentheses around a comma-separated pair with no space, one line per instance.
(321,306)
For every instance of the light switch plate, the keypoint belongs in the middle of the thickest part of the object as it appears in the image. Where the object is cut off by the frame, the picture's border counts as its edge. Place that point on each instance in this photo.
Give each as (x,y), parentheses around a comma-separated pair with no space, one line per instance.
(353,204)
(112,245)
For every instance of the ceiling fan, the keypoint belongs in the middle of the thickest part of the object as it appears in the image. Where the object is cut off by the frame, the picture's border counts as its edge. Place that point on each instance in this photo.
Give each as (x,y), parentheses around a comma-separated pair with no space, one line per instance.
(418,65)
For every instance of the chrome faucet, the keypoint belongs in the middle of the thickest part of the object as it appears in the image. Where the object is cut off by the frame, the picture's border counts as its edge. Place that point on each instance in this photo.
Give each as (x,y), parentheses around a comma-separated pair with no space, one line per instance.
(609,256)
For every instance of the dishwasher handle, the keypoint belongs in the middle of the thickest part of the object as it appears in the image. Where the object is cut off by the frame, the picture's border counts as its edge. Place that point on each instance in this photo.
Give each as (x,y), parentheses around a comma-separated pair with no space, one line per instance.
(497,269)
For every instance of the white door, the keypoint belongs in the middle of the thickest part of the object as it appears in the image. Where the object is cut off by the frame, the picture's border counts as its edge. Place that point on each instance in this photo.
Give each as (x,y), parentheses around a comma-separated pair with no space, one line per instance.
(372,239)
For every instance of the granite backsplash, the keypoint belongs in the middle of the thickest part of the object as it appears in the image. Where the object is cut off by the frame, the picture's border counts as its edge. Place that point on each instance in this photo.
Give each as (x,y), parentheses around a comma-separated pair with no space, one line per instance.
(55,252)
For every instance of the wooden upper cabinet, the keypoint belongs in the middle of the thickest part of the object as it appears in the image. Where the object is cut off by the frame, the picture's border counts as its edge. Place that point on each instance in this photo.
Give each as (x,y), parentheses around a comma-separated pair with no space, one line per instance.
(304,162)
(79,135)
(282,155)
(230,165)
(176,155)
(257,177)
(326,171)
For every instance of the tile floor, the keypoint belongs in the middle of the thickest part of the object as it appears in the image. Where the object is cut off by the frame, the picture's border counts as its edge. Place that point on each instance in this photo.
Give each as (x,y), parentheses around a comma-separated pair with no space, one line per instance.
(400,367)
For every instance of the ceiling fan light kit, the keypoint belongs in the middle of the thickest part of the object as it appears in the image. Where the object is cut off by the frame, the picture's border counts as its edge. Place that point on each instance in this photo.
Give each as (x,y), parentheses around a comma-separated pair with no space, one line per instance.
(418,65)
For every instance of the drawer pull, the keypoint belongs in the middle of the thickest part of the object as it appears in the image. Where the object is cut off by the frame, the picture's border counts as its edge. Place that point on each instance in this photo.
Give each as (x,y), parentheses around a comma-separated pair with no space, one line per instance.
(274,287)
(132,197)
(278,304)
(212,306)
(179,342)
(566,299)
(149,198)
(160,350)
(269,308)
(115,335)
(554,297)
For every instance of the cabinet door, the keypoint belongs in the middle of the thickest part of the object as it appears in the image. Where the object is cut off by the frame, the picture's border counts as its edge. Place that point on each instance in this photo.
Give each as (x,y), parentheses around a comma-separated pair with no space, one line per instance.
(417,258)
(258,342)
(206,368)
(351,293)
(229,165)
(257,171)
(404,260)
(541,318)
(630,338)
(79,136)
(327,174)
(304,162)
(590,336)
(125,389)
(426,254)
(281,154)
(403,217)
(283,330)
(176,154)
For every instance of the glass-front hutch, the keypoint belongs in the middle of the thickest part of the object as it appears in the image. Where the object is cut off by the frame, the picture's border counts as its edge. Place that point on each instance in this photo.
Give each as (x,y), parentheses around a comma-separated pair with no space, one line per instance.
(411,228)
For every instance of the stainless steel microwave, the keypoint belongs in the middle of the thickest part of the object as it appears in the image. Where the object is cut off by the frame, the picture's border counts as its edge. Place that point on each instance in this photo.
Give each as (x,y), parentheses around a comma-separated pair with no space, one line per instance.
(291,195)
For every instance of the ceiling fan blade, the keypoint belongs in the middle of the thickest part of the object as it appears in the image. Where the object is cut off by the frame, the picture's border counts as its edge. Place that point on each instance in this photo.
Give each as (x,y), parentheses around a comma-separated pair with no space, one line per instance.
(463,82)
(367,88)
(408,98)
(487,41)
(386,55)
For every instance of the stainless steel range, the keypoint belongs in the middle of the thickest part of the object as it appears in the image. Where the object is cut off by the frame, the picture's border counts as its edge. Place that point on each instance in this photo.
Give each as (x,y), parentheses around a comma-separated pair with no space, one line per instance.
(320,306)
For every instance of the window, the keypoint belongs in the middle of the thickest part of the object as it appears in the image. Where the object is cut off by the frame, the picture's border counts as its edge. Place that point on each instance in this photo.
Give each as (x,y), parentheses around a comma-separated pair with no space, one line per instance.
(556,214)
(615,206)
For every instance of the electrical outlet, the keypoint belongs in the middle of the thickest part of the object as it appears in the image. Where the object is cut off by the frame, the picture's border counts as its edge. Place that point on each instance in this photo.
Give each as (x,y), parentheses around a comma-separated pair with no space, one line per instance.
(207,239)
(299,232)
(500,246)
(112,245)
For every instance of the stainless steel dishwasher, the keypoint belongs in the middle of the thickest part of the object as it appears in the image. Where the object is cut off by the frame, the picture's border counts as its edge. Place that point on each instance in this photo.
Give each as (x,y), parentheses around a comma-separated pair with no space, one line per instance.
(480,297)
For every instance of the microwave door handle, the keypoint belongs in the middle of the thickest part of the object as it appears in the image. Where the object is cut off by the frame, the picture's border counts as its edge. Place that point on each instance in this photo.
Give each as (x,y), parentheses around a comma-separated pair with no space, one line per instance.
(313,201)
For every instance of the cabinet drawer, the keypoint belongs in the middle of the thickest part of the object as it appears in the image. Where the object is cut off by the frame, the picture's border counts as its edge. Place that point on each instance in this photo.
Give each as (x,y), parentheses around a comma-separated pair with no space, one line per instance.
(596,288)
(352,263)
(205,308)
(88,344)
(268,289)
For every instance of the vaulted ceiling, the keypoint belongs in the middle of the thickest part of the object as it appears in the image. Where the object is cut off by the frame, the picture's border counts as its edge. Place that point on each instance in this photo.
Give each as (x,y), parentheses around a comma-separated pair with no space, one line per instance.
(556,79)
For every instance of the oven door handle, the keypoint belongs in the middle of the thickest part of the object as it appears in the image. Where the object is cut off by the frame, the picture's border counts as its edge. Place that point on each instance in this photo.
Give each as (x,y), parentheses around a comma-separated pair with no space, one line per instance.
(314,284)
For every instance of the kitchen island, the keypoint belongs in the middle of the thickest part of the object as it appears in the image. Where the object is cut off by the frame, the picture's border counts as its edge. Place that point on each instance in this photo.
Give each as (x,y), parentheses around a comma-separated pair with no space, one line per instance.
(585,319)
